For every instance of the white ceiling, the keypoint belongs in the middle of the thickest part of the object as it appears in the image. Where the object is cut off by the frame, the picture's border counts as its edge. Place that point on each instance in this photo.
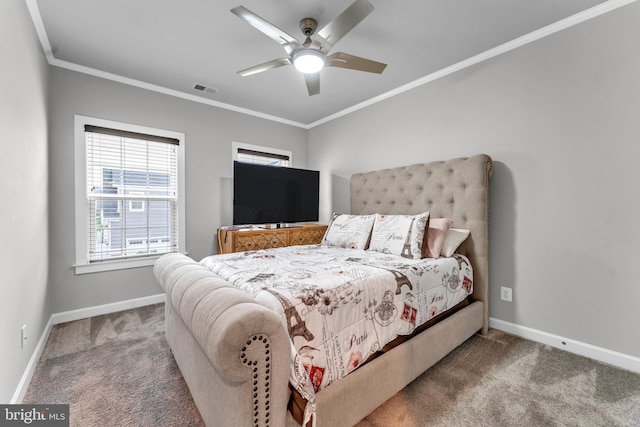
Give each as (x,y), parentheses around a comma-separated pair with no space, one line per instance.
(169,45)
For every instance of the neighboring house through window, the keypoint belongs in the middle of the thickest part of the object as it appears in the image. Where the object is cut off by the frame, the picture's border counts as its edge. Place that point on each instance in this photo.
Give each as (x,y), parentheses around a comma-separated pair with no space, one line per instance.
(129,194)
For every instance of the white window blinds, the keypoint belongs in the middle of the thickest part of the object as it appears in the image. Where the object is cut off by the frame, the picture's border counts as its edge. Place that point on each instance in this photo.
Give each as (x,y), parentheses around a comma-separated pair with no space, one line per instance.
(132,194)
(263,158)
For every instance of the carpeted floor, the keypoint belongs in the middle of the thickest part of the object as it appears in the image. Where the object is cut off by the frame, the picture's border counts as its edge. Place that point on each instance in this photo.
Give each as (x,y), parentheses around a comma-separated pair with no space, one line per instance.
(117,370)
(502,380)
(114,370)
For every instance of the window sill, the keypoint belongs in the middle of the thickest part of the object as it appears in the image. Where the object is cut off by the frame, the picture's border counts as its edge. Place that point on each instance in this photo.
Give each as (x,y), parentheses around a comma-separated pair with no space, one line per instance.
(101,266)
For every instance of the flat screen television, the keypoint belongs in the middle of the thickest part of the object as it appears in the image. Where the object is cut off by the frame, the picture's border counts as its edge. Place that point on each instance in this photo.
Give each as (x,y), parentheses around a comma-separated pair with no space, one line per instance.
(274,194)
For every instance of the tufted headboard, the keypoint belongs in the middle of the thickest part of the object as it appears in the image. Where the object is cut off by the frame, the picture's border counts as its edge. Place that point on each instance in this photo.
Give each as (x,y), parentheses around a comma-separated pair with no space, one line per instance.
(457,189)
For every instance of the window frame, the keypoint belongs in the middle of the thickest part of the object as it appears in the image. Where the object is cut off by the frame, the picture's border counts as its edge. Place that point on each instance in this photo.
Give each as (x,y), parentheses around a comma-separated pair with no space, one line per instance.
(82,264)
(142,207)
(236,146)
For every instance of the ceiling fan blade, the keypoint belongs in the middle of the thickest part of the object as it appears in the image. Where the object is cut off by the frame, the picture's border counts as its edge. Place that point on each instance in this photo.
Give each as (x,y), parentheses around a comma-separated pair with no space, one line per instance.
(289,43)
(313,83)
(331,33)
(265,66)
(344,60)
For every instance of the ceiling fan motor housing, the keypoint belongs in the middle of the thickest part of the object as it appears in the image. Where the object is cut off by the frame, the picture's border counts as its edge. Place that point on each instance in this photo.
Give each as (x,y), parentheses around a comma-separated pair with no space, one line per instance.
(308,26)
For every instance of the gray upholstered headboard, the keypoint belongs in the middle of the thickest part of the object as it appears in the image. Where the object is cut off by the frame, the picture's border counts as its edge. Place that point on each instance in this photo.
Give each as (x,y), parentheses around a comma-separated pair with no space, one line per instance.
(457,189)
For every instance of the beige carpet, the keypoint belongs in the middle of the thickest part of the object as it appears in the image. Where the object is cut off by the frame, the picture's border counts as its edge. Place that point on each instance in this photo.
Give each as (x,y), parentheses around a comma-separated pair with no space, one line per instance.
(502,380)
(116,370)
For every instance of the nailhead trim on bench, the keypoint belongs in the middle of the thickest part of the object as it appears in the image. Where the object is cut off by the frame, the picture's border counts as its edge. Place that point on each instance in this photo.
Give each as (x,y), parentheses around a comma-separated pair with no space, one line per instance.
(266,368)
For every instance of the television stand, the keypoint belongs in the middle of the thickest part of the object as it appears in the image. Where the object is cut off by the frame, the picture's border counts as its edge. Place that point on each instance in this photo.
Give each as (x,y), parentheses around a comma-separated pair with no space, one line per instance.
(279,225)
(253,239)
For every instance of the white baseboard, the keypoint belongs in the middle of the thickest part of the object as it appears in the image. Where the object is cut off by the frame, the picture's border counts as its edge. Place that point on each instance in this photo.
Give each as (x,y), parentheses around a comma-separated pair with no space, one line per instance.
(68,316)
(604,355)
(31,366)
(98,310)
(620,360)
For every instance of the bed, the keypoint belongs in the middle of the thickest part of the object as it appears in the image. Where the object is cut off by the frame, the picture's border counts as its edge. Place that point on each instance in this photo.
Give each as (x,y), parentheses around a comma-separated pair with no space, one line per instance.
(235,351)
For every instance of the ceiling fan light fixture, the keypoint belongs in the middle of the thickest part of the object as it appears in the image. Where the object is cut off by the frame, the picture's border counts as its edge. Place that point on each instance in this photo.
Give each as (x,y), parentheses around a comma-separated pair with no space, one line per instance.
(308,61)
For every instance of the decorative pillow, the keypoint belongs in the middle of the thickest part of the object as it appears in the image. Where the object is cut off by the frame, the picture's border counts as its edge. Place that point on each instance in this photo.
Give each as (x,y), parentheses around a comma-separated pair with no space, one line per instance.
(349,231)
(436,234)
(453,239)
(399,234)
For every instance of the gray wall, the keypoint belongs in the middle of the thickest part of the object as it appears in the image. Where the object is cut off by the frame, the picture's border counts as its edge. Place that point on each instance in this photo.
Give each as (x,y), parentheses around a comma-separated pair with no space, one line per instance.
(23,192)
(209,132)
(561,119)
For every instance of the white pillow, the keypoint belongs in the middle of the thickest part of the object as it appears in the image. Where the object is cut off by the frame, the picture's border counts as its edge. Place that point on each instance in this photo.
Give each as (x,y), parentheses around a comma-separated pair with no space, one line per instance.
(349,231)
(454,238)
(399,234)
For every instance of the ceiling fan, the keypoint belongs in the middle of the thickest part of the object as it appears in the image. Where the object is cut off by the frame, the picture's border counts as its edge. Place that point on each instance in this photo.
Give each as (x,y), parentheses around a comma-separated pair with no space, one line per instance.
(313,55)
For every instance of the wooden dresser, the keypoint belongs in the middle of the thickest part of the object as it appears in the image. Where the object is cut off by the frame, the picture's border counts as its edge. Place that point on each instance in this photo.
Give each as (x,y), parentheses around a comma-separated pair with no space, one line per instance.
(253,239)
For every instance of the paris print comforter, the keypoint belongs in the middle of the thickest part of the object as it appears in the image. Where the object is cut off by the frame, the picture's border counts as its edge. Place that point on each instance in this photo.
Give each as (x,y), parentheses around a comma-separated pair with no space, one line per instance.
(342,305)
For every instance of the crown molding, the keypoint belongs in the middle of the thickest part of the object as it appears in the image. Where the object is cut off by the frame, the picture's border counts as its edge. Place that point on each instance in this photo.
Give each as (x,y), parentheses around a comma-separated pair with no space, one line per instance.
(563,24)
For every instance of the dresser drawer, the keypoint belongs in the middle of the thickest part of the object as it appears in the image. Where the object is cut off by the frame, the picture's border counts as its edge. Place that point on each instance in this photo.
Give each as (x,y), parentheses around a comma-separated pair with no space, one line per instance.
(254,239)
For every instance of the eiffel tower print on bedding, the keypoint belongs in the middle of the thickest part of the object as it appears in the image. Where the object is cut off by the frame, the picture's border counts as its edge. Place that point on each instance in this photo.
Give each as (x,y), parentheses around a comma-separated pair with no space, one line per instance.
(342,305)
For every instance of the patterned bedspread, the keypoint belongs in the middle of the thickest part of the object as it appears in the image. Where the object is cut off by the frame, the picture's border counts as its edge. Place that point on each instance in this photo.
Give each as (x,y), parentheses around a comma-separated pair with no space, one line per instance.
(342,305)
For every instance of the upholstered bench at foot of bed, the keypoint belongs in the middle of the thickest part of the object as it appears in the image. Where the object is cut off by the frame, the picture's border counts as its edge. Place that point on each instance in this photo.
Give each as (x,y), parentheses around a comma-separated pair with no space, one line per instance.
(224,344)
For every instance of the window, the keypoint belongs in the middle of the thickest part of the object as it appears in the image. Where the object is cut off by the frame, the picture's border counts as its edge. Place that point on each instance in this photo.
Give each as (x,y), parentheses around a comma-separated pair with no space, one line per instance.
(261,155)
(129,204)
(137,205)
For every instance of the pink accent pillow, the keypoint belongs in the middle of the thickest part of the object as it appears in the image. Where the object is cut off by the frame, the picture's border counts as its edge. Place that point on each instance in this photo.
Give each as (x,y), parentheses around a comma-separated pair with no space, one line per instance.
(436,234)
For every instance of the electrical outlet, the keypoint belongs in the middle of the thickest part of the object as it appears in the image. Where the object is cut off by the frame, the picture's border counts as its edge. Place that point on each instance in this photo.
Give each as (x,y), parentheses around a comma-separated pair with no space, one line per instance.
(506,294)
(23,335)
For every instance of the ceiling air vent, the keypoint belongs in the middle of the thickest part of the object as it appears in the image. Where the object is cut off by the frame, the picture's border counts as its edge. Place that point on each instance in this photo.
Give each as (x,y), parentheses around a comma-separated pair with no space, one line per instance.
(206,89)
